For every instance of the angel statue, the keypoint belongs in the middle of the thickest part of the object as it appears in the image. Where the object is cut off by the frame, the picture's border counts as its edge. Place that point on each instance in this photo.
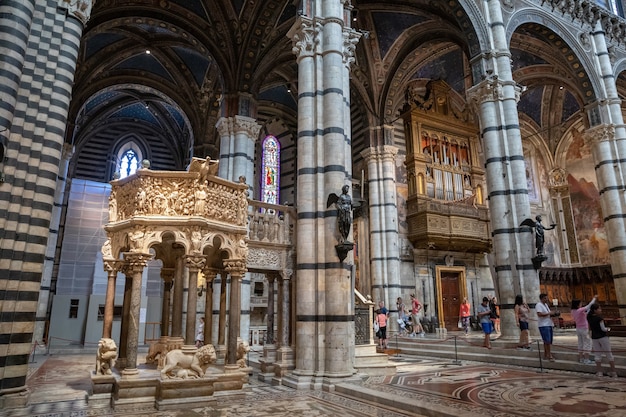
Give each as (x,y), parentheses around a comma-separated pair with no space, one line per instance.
(343,203)
(539,232)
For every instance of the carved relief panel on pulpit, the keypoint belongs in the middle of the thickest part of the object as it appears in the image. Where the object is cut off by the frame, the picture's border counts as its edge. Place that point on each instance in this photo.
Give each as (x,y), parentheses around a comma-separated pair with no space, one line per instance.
(446,180)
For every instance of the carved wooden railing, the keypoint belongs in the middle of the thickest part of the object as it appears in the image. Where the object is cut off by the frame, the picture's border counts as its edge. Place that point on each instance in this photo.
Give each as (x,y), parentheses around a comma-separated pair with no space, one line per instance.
(448,225)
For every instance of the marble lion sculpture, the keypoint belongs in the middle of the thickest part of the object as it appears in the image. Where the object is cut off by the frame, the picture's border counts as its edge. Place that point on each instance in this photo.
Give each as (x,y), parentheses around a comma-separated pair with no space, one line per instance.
(191,366)
(242,348)
(106,356)
(156,353)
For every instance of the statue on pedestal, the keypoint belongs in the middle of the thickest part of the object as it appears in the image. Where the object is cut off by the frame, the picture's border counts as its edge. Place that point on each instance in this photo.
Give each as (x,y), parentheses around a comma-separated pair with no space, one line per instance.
(539,238)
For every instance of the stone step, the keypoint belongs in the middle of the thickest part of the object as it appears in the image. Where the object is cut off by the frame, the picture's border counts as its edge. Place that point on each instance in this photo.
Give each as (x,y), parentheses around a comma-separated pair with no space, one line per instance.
(503,352)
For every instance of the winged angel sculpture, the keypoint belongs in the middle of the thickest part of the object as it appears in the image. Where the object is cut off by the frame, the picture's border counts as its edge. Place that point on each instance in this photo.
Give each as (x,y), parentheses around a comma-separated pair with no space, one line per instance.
(539,232)
(344,206)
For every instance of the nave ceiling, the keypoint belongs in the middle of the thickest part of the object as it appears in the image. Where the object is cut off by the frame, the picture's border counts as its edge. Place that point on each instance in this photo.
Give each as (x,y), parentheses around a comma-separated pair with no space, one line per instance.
(203,53)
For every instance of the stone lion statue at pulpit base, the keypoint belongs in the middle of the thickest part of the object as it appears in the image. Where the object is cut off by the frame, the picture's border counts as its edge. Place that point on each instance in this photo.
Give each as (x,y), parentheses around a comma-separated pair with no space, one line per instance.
(189,365)
(106,356)
(242,349)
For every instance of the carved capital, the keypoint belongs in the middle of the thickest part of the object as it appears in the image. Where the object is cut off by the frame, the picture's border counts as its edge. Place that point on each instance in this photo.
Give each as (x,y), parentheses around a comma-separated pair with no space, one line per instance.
(112,265)
(167,274)
(599,133)
(235,267)
(489,89)
(135,262)
(224,126)
(385,153)
(209,273)
(81,9)
(304,37)
(195,262)
(286,274)
(247,126)
(350,40)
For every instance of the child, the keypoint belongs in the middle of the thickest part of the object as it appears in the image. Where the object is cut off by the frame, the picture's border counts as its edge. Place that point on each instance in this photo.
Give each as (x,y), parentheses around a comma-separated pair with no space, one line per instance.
(600,340)
(484,313)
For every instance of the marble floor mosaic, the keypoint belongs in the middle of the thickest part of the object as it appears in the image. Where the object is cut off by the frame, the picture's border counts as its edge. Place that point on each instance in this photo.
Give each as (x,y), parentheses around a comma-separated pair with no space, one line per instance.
(59,387)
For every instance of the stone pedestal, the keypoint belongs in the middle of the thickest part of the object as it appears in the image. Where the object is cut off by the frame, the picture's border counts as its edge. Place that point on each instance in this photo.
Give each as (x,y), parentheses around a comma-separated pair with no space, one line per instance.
(284,364)
(220,351)
(102,387)
(131,394)
(267,363)
(17,399)
(185,393)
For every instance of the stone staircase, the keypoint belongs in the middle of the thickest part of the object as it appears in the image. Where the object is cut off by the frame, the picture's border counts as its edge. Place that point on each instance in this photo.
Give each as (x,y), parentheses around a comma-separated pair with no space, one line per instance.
(460,348)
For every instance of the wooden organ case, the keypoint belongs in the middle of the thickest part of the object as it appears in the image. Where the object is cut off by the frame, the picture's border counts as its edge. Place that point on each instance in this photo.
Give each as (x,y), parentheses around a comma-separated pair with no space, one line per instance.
(446,198)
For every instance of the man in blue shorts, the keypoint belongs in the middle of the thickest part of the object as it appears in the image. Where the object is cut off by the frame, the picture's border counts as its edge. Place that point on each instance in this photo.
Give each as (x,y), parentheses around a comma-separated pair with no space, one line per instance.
(484,312)
(545,324)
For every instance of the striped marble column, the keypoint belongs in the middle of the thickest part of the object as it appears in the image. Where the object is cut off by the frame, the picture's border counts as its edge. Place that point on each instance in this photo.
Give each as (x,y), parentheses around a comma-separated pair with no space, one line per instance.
(16,17)
(324,312)
(38,61)
(608,146)
(239,135)
(385,253)
(496,100)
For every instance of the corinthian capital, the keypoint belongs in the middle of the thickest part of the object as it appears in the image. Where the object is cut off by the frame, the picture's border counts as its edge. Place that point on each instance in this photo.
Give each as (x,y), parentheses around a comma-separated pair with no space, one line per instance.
(247,125)
(225,126)
(304,37)
(599,133)
(350,39)
(489,89)
(236,267)
(81,9)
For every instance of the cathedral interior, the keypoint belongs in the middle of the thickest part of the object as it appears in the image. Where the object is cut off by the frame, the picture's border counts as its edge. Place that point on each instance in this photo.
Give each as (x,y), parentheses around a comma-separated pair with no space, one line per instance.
(452,123)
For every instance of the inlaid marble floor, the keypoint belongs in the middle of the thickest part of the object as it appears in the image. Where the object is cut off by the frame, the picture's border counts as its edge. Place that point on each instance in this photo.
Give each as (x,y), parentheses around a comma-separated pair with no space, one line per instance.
(60,383)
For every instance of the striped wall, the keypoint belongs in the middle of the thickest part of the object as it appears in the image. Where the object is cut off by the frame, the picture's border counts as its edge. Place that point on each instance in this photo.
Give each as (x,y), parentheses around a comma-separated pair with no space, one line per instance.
(49,46)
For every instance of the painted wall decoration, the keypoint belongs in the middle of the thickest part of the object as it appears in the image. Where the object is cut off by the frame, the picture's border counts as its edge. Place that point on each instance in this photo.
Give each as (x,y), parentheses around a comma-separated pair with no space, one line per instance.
(592,240)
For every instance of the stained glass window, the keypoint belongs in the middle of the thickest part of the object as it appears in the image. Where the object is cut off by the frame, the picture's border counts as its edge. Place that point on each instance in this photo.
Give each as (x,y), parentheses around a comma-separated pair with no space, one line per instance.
(271,170)
(128,159)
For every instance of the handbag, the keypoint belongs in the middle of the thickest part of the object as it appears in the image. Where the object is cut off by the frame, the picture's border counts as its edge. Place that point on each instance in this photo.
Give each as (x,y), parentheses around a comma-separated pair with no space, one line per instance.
(460,324)
(376,326)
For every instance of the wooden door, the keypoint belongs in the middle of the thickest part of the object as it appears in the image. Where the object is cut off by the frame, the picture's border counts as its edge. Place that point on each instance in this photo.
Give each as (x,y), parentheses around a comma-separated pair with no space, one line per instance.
(450,299)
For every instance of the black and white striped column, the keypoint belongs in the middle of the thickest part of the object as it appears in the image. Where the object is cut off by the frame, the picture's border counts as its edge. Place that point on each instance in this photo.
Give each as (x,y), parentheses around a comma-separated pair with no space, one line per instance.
(608,142)
(384,243)
(324,311)
(46,40)
(496,99)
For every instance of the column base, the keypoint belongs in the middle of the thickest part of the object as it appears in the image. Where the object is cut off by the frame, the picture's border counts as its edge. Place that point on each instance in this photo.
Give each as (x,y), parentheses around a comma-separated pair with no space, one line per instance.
(15,398)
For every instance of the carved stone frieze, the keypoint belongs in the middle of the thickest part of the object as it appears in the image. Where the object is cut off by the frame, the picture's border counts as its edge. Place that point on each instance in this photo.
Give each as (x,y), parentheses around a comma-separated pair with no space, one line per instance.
(150,193)
(265,258)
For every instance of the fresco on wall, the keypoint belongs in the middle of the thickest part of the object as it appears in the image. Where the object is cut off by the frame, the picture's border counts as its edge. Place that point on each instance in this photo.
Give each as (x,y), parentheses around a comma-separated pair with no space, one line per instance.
(592,241)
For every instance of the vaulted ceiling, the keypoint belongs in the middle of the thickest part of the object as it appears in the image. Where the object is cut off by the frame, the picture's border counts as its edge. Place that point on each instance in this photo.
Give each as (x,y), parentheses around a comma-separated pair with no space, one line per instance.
(171,67)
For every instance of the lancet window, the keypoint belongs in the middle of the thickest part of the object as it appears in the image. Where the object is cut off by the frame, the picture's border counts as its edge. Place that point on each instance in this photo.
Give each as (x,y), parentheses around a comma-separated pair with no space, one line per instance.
(270,185)
(128,159)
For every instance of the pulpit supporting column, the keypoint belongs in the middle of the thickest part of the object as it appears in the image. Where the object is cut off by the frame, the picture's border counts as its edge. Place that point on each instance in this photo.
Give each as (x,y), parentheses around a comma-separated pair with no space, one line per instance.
(168,280)
(136,263)
(236,269)
(194,263)
(209,275)
(284,354)
(111,266)
(269,348)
